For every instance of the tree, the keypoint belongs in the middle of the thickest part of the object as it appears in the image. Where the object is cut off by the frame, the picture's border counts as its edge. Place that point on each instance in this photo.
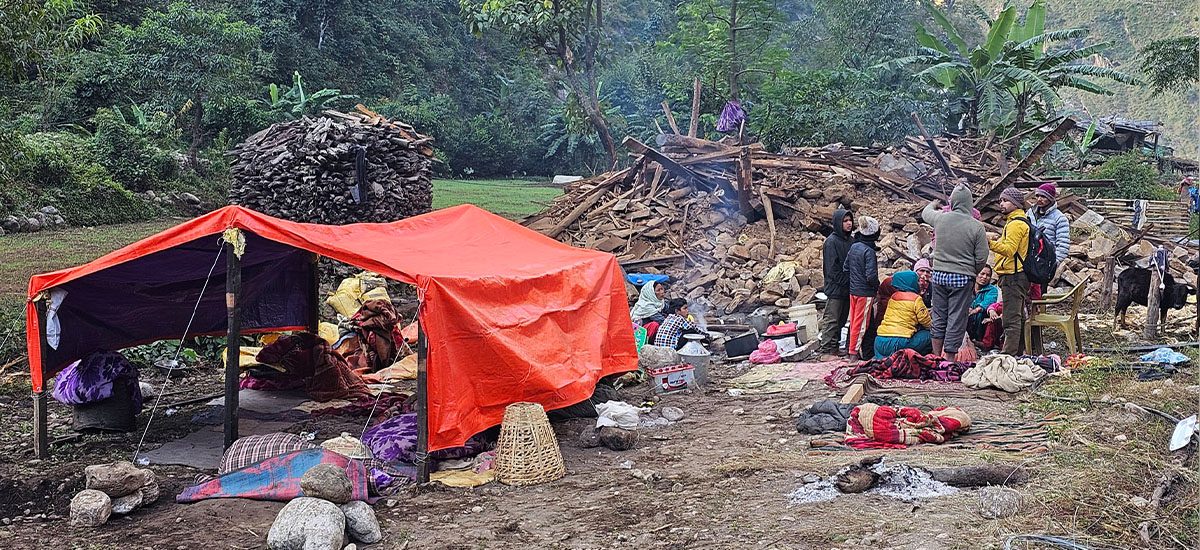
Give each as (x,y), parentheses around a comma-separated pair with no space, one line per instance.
(1010,74)
(31,31)
(729,39)
(185,58)
(567,32)
(1172,64)
(294,102)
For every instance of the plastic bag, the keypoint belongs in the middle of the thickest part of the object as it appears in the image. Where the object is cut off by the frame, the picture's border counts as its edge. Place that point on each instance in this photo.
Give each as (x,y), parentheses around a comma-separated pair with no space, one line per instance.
(618,414)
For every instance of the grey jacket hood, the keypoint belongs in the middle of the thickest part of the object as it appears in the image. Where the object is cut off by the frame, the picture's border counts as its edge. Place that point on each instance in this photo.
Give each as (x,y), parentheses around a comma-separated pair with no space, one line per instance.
(839,216)
(961,200)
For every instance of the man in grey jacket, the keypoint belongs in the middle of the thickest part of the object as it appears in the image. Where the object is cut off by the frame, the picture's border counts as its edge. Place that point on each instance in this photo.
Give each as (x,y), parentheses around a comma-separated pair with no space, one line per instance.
(960,251)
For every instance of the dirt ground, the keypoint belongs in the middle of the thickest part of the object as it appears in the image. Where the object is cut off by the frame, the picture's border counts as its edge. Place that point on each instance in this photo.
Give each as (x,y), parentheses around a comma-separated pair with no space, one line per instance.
(719,478)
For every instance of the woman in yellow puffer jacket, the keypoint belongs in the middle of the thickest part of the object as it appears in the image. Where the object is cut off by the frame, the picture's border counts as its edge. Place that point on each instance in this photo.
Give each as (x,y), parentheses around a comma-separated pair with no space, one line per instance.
(907,321)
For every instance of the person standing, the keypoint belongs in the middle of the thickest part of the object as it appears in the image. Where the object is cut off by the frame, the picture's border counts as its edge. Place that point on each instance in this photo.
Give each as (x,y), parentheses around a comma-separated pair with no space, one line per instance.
(1011,248)
(837,288)
(960,254)
(1047,217)
(862,271)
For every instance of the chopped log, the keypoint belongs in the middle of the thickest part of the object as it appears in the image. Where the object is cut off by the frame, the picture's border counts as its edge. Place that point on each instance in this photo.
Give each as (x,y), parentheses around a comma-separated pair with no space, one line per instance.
(981,475)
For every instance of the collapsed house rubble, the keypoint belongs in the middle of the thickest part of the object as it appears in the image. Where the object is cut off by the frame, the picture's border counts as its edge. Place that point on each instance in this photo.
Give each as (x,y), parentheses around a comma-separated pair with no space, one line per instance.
(335,169)
(719,218)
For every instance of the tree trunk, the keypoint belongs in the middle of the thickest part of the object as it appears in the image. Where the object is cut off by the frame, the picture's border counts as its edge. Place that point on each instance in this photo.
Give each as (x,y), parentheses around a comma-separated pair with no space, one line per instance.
(734,67)
(586,92)
(197,131)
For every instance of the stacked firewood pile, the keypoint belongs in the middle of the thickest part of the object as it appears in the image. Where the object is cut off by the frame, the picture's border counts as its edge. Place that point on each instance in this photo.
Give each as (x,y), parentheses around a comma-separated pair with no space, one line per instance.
(336,169)
(719,217)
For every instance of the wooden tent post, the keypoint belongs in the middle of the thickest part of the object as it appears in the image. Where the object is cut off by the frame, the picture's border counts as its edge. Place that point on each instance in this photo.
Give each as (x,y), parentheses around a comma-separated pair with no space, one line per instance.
(233,352)
(422,407)
(41,432)
(1152,304)
(314,294)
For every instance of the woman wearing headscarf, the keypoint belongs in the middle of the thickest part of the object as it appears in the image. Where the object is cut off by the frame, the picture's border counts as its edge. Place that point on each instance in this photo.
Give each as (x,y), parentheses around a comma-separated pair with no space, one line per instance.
(907,321)
(924,272)
(649,306)
(986,294)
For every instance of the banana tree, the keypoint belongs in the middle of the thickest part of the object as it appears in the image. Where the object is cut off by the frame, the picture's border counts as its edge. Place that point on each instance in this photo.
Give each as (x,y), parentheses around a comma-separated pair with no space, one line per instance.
(294,102)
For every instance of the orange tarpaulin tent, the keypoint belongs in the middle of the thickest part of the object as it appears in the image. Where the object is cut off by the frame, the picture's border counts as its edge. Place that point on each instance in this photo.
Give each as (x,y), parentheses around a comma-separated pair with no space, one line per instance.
(509,314)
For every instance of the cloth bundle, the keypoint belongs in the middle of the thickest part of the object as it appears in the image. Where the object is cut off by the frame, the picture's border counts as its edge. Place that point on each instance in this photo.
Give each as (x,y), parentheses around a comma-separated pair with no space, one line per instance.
(305,356)
(827,415)
(277,478)
(395,440)
(766,354)
(1004,372)
(908,364)
(95,377)
(874,426)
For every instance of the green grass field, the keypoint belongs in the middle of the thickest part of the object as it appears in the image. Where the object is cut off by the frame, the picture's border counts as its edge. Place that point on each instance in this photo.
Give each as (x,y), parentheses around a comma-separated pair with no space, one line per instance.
(512,199)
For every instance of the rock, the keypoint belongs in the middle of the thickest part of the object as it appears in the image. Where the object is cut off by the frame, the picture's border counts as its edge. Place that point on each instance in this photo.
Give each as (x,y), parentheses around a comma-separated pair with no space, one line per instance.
(740,251)
(11,224)
(588,438)
(149,491)
(33,224)
(190,198)
(783,302)
(361,524)
(49,210)
(328,482)
(856,480)
(656,357)
(59,220)
(674,414)
(308,524)
(998,502)
(760,252)
(618,439)
(116,479)
(351,546)
(90,508)
(126,504)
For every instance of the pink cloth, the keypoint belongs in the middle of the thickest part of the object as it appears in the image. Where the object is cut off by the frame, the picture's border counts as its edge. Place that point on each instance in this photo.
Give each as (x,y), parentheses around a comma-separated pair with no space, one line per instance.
(767,353)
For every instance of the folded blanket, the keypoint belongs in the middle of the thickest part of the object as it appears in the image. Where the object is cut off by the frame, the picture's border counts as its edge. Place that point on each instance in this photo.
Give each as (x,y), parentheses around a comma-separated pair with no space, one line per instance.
(277,478)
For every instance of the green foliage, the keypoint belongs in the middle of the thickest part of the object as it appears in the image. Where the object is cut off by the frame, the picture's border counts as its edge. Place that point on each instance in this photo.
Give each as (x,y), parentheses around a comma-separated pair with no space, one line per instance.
(293,102)
(146,355)
(1135,176)
(1011,75)
(1172,64)
(127,154)
(31,31)
(753,51)
(856,35)
(818,107)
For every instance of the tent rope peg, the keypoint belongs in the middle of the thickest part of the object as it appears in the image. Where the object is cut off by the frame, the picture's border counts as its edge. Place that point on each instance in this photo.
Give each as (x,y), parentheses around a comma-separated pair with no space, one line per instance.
(237,239)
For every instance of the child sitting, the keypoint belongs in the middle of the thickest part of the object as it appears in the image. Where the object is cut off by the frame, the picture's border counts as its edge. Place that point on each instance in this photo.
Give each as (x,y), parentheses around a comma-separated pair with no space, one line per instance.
(675,325)
(907,321)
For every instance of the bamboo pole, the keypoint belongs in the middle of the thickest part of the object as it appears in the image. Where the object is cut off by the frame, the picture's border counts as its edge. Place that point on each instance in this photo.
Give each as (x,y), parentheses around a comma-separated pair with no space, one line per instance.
(422,405)
(694,124)
(41,432)
(233,287)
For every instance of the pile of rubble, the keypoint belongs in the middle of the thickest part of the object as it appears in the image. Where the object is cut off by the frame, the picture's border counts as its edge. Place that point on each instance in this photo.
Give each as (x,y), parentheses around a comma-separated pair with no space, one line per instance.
(718,217)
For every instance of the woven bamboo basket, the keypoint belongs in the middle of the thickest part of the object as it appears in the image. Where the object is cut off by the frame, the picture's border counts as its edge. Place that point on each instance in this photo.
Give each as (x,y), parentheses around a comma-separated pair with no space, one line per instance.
(527,453)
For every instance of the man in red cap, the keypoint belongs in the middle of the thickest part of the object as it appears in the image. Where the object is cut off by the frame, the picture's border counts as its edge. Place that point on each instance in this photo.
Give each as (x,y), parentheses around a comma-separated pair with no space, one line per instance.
(1046,216)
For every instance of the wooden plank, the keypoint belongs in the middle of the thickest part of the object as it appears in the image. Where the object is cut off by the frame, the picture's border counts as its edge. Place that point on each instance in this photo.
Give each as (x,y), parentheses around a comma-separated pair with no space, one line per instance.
(770,222)
(1036,154)
(854,393)
(594,197)
(694,124)
(653,260)
(666,107)
(233,286)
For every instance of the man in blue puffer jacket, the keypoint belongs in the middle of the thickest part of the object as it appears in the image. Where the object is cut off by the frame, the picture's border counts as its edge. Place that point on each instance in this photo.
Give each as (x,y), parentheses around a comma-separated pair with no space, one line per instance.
(1046,216)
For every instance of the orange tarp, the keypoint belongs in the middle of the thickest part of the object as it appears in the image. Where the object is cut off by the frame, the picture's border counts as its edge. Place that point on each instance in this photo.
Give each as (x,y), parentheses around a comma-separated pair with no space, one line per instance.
(510,314)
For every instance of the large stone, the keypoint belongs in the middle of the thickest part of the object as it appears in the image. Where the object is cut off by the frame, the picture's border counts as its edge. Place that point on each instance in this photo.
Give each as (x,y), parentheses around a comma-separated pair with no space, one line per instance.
(127,504)
(190,198)
(149,492)
(49,210)
(618,439)
(90,508)
(328,482)
(33,224)
(12,224)
(361,524)
(117,479)
(998,502)
(308,524)
(655,357)
(674,414)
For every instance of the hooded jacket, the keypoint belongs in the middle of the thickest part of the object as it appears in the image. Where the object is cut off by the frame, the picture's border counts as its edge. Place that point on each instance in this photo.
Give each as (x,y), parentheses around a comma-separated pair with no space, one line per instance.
(833,256)
(961,246)
(862,266)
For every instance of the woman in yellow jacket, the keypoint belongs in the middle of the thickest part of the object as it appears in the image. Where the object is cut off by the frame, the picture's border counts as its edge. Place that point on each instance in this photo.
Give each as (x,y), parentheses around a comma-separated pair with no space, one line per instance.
(907,321)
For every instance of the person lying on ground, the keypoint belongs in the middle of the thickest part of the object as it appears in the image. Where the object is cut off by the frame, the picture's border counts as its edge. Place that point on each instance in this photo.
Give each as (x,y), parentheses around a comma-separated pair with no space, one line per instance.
(906,322)
(986,294)
(675,325)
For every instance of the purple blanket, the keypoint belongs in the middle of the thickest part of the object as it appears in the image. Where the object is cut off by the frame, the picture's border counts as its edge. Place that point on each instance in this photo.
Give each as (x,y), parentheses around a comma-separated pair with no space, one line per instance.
(277,478)
(395,440)
(95,378)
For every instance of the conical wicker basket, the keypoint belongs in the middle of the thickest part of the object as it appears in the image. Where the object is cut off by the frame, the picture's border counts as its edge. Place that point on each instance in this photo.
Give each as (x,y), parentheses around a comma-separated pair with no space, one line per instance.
(527,453)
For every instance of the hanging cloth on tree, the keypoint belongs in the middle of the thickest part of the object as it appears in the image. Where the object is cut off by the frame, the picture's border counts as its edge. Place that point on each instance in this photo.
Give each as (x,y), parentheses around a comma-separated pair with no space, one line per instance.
(732,117)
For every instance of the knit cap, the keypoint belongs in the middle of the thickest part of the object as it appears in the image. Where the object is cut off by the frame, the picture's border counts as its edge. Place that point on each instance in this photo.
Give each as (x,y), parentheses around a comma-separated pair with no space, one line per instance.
(922,263)
(1013,195)
(868,226)
(1047,190)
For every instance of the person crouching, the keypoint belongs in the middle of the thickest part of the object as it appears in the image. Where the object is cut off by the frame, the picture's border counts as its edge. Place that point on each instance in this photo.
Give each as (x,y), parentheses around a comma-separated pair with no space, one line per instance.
(907,321)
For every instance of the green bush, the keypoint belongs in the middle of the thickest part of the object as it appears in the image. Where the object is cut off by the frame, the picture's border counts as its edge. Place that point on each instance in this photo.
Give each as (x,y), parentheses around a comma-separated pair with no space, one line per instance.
(128,155)
(94,198)
(1135,176)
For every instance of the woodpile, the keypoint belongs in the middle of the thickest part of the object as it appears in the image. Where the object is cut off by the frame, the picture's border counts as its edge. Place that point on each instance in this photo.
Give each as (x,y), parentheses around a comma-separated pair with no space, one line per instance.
(718,217)
(335,169)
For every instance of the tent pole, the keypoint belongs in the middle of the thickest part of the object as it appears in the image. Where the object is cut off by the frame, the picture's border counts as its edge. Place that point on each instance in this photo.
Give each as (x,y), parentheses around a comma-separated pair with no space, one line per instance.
(422,408)
(314,294)
(41,432)
(233,352)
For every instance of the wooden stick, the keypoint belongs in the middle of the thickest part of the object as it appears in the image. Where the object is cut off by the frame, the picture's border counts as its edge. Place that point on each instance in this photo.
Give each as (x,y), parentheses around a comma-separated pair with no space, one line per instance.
(666,107)
(314,294)
(694,125)
(770,220)
(41,430)
(233,286)
(1152,303)
(194,400)
(745,176)
(422,405)
(593,197)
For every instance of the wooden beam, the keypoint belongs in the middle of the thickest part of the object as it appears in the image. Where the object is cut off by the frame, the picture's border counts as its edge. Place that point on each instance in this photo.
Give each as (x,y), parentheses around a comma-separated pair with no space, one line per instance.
(1150,331)
(653,260)
(233,309)
(673,167)
(694,124)
(745,177)
(666,107)
(591,199)
(1065,184)
(314,294)
(422,404)
(770,221)
(1036,154)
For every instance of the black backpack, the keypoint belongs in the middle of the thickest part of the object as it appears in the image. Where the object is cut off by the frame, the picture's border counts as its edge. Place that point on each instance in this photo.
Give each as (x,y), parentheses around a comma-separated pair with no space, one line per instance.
(1041,261)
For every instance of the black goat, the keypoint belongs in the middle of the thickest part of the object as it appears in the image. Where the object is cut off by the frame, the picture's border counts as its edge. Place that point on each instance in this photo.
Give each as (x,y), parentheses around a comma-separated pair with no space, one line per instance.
(1133,287)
